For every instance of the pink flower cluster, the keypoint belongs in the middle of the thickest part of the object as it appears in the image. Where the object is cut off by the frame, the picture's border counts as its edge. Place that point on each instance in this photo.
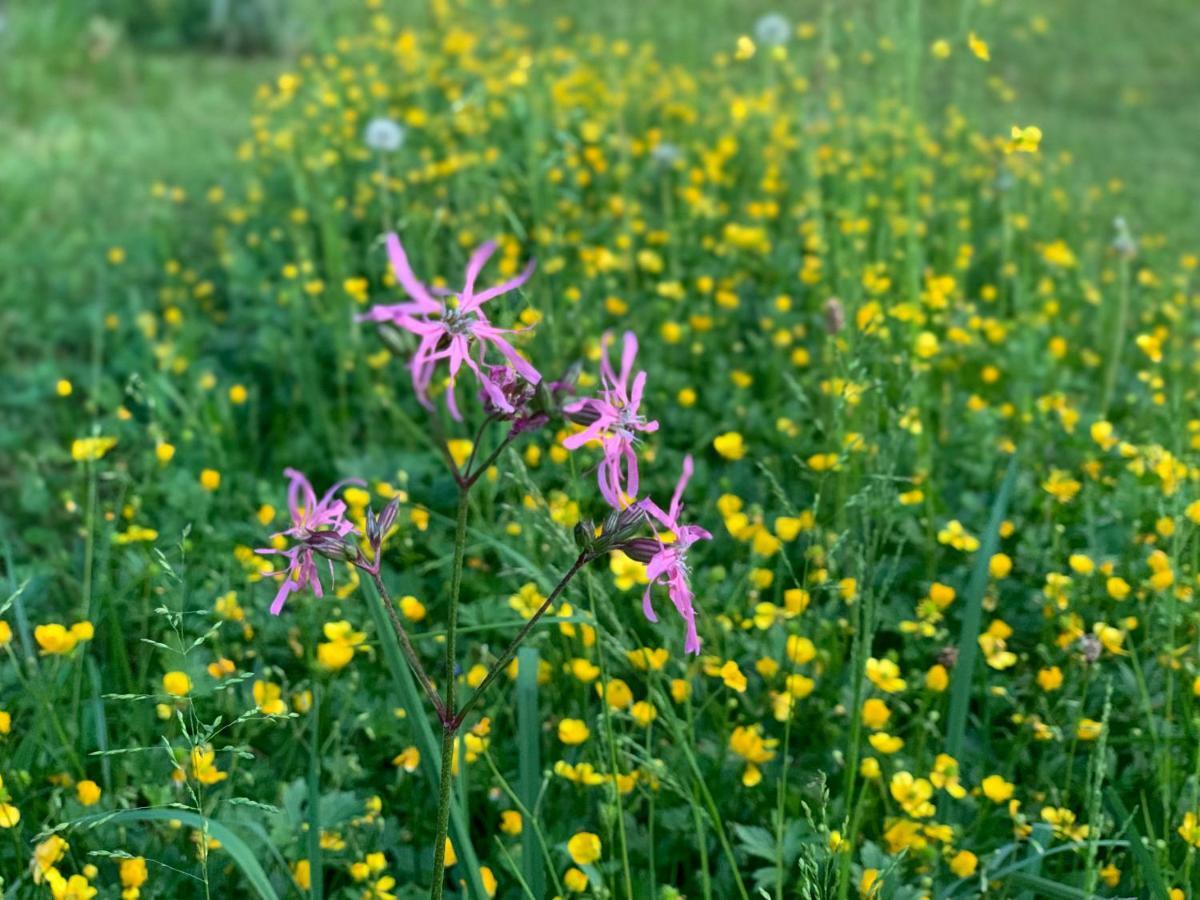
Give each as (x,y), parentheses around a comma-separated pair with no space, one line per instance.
(615,420)
(454,327)
(318,526)
(448,324)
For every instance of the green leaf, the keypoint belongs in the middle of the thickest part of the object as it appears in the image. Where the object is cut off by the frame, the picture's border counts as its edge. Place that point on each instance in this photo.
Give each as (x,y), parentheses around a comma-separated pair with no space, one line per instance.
(968,639)
(317,878)
(529,755)
(1044,887)
(231,842)
(1147,866)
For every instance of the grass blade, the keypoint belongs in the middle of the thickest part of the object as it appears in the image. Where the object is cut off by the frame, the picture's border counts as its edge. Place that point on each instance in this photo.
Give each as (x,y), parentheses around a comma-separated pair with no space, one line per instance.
(316,879)
(529,750)
(1146,866)
(231,841)
(1044,887)
(427,742)
(968,646)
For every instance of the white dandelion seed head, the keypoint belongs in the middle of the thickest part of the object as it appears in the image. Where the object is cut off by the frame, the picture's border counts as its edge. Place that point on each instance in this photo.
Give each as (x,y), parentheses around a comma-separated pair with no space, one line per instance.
(383,135)
(772,30)
(666,153)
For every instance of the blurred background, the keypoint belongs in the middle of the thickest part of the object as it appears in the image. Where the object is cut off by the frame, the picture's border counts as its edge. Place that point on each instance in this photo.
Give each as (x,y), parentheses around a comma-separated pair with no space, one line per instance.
(100,98)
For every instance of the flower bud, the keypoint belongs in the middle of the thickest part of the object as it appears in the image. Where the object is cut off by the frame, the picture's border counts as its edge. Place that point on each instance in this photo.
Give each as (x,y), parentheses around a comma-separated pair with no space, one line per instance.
(835,316)
(333,547)
(585,535)
(641,549)
(378,527)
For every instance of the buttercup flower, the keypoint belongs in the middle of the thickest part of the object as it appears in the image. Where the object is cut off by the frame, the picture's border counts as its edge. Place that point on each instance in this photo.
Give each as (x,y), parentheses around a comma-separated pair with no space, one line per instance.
(314,524)
(451,330)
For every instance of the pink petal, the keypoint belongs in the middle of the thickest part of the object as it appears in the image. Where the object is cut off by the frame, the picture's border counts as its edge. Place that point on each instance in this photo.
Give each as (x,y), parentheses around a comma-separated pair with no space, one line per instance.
(404,274)
(512,284)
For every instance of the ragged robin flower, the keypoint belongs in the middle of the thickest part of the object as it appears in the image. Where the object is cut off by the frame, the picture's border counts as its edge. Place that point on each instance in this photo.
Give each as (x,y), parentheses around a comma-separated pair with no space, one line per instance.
(317,525)
(667,565)
(453,329)
(614,419)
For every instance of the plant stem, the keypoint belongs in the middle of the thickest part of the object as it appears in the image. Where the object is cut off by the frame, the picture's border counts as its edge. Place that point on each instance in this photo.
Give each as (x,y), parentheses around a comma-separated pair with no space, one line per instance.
(406,646)
(606,715)
(449,721)
(497,667)
(470,479)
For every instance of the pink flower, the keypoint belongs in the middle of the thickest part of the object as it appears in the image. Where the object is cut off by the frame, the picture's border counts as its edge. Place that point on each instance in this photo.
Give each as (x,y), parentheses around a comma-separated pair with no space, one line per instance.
(451,331)
(668,566)
(319,527)
(615,420)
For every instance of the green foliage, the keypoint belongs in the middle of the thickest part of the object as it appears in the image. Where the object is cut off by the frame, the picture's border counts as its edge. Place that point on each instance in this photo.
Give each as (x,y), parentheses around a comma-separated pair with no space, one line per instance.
(857,307)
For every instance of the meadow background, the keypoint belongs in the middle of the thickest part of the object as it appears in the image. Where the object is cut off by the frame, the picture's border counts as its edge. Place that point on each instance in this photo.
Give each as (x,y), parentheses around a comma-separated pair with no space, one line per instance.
(948,614)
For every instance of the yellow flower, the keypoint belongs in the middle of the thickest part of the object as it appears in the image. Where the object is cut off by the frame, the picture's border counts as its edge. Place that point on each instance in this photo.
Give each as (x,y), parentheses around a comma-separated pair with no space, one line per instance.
(937,679)
(996,789)
(945,776)
(875,713)
(91,449)
(510,822)
(177,684)
(800,650)
(643,713)
(574,880)
(1025,140)
(56,639)
(133,876)
(46,854)
(302,873)
(267,697)
(487,877)
(748,743)
(337,651)
(460,450)
(980,49)
(648,659)
(237,394)
(407,759)
(9,815)
(869,884)
(63,387)
(573,731)
(333,656)
(912,794)
(1000,565)
(1088,729)
(412,608)
(885,675)
(1050,678)
(1063,822)
(927,345)
(964,863)
(584,848)
(940,49)
(1189,830)
(885,743)
(204,768)
(730,445)
(88,792)
(733,677)
(210,479)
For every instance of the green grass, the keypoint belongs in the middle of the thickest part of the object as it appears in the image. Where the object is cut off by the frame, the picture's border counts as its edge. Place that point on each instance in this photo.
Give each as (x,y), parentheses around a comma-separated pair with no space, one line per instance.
(94,120)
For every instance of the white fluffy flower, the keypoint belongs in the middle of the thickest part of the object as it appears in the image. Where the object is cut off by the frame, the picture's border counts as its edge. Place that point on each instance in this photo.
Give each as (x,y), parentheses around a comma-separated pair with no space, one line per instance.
(772,30)
(383,135)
